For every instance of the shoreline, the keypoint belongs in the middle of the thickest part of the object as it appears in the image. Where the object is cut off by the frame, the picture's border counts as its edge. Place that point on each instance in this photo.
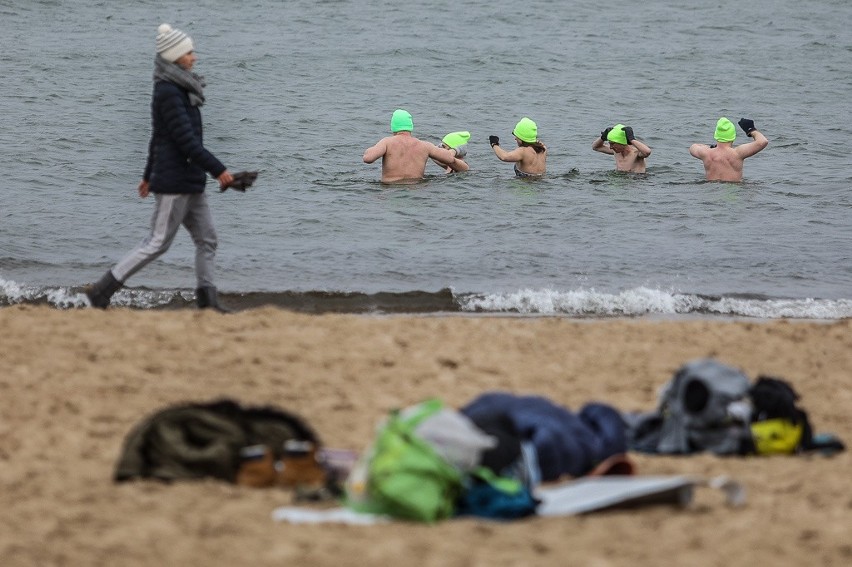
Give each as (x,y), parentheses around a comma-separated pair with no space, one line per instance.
(575,304)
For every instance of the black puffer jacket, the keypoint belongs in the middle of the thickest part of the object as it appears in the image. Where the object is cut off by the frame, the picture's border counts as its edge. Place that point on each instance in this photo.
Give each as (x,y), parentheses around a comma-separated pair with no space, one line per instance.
(177,159)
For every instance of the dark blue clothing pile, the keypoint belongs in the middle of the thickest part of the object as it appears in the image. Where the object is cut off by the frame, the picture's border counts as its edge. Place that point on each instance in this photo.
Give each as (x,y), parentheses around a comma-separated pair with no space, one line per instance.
(566,443)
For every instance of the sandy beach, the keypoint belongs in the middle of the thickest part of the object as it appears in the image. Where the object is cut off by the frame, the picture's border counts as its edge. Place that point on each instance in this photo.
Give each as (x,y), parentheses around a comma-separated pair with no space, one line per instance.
(73,383)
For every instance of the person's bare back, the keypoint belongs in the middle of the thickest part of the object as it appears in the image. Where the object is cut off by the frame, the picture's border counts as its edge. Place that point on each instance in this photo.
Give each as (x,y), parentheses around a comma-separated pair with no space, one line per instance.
(720,163)
(723,161)
(530,157)
(404,157)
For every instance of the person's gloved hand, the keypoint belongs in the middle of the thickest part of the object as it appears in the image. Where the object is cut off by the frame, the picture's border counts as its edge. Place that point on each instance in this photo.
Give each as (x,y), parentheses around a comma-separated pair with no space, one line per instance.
(747,125)
(605,133)
(494,141)
(628,131)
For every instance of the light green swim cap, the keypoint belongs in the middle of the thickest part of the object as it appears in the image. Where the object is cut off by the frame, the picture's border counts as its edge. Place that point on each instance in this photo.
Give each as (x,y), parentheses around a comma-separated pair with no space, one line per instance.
(456,139)
(725,131)
(401,121)
(617,135)
(526,130)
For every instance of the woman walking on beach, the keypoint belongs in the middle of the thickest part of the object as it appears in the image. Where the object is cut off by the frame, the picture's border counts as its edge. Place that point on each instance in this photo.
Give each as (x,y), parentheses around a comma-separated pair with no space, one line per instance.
(174,172)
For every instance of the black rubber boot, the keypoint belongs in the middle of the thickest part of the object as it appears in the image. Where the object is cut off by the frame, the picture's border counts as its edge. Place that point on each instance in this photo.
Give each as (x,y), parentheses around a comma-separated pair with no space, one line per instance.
(100,292)
(207,298)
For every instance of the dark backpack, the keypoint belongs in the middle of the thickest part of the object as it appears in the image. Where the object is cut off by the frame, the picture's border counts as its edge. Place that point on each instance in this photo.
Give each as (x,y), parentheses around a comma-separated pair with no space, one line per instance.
(705,407)
(198,440)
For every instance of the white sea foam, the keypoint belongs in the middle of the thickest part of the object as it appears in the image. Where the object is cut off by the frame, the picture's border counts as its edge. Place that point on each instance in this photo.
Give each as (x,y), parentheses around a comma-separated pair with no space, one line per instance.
(571,303)
(13,293)
(644,301)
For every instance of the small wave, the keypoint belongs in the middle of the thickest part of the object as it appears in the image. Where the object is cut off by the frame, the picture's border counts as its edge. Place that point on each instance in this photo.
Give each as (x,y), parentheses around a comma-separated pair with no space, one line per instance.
(12,293)
(579,303)
(644,301)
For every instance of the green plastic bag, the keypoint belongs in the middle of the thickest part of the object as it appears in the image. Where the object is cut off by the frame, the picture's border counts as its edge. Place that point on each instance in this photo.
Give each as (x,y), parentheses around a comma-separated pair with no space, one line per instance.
(404,477)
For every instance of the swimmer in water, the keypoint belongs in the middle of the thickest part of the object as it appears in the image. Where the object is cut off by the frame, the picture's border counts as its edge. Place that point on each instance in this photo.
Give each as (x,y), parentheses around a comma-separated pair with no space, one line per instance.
(530,157)
(403,156)
(722,161)
(457,142)
(629,152)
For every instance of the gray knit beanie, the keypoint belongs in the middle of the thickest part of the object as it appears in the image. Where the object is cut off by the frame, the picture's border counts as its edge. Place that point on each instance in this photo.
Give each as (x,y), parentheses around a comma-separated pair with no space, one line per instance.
(172,44)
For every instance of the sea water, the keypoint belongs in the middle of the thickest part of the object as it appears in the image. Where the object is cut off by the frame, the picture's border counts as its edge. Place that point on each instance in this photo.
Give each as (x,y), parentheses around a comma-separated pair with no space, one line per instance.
(299,89)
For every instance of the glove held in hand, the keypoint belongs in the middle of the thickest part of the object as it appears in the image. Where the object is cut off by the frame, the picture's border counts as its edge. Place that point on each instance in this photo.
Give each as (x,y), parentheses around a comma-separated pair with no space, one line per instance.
(242,181)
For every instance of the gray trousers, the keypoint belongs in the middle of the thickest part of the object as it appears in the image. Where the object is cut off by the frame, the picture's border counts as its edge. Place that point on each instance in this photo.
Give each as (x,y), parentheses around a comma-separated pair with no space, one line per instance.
(171,211)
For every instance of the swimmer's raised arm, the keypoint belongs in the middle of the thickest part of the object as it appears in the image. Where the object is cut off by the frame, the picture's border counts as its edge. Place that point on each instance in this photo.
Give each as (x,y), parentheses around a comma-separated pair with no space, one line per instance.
(644,150)
(503,155)
(515,155)
(599,145)
(758,143)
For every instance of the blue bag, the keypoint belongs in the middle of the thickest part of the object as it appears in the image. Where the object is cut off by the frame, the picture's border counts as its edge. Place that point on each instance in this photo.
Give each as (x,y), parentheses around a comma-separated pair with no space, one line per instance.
(490,496)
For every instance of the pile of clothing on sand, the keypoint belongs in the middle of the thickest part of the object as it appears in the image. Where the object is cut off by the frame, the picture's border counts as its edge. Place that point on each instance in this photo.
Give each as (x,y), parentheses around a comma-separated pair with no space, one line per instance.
(430,462)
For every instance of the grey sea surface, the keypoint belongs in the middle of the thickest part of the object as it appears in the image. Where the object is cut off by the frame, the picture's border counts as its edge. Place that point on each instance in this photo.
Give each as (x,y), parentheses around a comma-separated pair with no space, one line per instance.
(299,89)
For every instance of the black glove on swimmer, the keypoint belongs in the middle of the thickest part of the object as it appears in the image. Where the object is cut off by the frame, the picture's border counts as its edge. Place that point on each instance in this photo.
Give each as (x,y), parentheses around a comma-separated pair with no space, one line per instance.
(494,141)
(747,125)
(628,131)
(605,133)
(242,181)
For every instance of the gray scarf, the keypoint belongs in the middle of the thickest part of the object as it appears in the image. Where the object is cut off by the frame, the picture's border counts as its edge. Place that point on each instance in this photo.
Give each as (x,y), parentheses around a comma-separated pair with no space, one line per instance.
(194,84)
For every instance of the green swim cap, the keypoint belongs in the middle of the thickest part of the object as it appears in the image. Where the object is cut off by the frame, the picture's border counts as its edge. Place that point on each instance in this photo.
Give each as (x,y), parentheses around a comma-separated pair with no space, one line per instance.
(617,135)
(725,131)
(456,139)
(401,121)
(526,130)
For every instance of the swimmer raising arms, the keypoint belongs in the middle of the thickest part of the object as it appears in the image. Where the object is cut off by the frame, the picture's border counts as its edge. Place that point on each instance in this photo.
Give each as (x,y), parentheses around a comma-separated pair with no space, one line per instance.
(629,152)
(722,161)
(530,157)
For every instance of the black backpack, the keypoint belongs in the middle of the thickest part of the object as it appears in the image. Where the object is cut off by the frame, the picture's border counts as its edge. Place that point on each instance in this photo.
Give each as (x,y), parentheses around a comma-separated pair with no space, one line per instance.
(198,440)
